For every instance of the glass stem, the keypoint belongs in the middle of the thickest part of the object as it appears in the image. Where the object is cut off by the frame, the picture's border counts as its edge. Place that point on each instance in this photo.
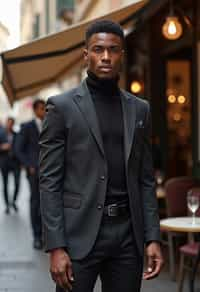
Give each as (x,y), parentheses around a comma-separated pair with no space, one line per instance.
(193,218)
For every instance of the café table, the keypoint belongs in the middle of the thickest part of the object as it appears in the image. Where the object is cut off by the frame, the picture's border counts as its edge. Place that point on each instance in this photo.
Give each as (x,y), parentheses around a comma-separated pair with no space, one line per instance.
(178,224)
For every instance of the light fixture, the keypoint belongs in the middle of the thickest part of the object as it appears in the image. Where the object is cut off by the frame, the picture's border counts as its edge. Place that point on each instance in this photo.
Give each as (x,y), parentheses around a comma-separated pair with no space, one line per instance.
(136,86)
(172,28)
(177,117)
(181,99)
(171,98)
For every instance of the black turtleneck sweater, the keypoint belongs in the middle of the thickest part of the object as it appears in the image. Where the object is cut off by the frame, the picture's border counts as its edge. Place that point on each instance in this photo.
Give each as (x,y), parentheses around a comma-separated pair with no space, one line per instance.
(106,97)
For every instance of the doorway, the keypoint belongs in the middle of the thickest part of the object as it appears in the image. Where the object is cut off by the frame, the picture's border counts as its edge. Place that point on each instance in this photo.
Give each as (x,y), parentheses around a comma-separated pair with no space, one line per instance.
(178,112)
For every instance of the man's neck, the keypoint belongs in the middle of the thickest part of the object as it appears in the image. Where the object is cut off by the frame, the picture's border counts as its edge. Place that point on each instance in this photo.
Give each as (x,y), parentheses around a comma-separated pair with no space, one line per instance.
(102,85)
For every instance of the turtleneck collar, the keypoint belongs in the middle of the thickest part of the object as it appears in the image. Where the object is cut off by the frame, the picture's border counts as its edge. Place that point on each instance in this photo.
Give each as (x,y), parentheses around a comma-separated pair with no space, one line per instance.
(102,86)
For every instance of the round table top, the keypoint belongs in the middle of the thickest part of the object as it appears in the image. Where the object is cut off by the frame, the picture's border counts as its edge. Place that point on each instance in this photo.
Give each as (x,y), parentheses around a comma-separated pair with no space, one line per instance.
(180,224)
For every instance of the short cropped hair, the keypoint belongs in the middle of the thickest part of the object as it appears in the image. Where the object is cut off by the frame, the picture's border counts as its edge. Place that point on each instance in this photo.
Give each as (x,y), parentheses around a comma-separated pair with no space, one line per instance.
(9,118)
(104,26)
(37,102)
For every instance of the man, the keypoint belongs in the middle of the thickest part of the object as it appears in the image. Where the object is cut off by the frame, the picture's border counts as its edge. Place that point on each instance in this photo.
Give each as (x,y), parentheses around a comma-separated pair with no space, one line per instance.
(9,163)
(96,178)
(28,153)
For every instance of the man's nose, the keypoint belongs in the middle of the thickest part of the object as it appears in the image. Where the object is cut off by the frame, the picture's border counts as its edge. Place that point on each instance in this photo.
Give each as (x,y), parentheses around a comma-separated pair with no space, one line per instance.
(106,55)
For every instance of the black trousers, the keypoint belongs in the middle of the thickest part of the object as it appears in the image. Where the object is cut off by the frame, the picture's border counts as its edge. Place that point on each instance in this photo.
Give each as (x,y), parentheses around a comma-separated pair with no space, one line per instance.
(35,205)
(114,258)
(14,168)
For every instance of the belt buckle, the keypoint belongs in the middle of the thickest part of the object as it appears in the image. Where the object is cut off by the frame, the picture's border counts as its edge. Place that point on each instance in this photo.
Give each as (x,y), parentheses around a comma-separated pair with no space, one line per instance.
(112,210)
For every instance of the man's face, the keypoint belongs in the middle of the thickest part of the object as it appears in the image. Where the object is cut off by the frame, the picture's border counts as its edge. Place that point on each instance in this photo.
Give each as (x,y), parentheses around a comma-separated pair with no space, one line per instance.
(40,111)
(104,54)
(10,124)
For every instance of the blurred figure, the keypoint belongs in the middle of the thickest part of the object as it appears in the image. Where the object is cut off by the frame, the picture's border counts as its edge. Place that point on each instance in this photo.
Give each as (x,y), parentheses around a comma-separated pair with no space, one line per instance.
(2,143)
(28,153)
(9,162)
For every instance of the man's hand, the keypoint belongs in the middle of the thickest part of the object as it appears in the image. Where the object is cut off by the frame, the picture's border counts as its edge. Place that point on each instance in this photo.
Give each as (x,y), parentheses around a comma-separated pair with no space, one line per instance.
(154,260)
(61,268)
(5,146)
(31,170)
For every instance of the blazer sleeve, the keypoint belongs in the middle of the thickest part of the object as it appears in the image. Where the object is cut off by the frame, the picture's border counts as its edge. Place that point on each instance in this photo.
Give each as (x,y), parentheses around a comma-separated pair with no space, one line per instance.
(51,175)
(147,184)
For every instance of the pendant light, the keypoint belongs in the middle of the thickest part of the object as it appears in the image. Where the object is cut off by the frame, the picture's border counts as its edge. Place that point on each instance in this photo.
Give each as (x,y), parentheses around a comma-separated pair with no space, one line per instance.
(172,28)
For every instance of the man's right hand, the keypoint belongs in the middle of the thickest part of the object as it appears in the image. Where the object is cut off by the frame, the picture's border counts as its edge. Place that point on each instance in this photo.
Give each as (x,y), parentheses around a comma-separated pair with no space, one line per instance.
(5,147)
(61,268)
(31,170)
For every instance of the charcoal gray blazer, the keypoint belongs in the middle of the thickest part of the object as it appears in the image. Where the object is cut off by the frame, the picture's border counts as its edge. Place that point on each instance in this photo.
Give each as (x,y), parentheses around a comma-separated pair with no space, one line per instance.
(73,172)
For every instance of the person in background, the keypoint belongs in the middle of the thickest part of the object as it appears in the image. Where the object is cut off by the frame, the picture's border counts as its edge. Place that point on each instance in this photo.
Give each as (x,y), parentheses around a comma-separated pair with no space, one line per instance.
(3,143)
(9,163)
(97,185)
(28,154)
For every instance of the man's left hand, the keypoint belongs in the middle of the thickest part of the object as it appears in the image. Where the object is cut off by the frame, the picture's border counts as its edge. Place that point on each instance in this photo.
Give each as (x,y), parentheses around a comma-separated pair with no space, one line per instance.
(154,260)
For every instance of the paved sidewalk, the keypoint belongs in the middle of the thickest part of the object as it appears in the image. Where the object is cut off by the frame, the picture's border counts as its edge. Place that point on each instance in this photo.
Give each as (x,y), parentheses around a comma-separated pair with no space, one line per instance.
(22,269)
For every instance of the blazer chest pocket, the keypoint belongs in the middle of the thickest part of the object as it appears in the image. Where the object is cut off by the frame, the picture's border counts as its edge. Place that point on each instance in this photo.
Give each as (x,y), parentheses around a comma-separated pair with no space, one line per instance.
(72,200)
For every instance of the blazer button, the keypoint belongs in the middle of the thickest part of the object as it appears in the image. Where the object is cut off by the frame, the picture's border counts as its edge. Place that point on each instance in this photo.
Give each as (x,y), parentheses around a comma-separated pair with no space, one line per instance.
(99,207)
(102,177)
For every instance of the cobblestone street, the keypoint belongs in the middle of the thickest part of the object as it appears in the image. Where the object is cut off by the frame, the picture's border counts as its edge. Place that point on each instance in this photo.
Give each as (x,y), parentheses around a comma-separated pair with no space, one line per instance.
(25,270)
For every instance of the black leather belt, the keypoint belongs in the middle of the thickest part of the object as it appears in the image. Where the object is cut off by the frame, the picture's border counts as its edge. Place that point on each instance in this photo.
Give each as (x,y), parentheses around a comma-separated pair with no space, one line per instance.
(115,210)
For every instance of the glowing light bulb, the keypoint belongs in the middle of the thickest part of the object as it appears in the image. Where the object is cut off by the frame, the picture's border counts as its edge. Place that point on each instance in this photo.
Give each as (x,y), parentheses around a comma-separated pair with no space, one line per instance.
(181,99)
(172,28)
(177,117)
(171,98)
(136,87)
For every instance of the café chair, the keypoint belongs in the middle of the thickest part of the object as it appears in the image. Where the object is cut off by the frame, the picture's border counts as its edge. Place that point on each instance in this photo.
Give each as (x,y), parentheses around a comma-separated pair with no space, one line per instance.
(189,261)
(176,190)
(189,255)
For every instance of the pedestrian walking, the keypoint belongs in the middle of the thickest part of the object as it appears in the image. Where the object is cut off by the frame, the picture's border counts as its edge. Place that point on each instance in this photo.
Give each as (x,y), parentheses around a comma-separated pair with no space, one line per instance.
(28,153)
(97,184)
(9,163)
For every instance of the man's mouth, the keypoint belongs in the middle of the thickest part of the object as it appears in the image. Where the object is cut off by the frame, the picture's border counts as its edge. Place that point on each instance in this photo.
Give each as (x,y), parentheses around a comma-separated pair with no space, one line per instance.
(105,68)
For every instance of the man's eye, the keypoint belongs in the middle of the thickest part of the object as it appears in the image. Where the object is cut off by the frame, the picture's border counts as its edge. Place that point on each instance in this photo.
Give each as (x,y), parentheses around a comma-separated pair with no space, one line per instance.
(115,49)
(97,50)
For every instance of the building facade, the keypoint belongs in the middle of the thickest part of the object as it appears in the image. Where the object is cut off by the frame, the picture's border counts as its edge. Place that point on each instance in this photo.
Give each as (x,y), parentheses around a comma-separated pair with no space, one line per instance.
(89,9)
(4,34)
(40,18)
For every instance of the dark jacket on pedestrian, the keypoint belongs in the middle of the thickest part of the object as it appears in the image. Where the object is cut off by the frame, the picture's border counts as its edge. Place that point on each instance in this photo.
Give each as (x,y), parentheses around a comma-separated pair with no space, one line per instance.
(27,147)
(8,156)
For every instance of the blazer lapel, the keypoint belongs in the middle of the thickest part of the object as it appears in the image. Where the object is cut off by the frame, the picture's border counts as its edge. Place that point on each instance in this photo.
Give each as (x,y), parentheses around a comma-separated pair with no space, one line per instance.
(129,116)
(84,101)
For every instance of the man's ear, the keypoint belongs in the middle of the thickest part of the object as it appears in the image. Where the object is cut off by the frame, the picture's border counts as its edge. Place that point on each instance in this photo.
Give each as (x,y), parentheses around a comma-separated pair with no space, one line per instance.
(85,55)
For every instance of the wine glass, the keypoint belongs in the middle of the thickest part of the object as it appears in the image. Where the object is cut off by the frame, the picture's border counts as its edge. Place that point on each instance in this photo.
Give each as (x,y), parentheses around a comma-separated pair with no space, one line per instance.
(193,204)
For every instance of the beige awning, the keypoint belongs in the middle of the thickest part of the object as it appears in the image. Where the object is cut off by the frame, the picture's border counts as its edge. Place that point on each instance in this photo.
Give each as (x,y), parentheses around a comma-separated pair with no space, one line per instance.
(33,66)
